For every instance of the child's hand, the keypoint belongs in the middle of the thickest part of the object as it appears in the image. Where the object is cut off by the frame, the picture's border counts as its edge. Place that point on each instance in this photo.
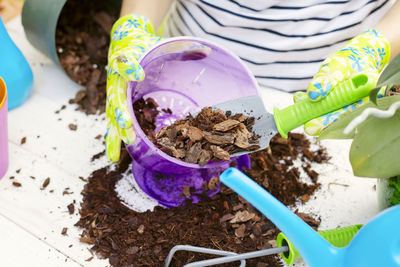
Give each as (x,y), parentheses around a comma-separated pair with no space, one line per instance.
(368,52)
(131,36)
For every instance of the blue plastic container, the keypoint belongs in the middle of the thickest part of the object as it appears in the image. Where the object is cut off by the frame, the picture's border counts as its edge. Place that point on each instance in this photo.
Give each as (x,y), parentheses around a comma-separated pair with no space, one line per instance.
(14,69)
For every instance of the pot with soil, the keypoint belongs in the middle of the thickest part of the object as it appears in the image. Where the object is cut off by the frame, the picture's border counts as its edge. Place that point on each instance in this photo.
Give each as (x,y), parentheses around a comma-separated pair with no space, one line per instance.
(180,87)
(40,20)
(75,34)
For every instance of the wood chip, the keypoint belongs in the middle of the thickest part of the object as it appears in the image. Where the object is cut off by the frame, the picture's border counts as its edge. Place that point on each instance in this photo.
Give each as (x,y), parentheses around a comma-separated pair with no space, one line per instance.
(64,231)
(72,127)
(16,184)
(140,230)
(226,125)
(239,232)
(242,136)
(204,157)
(195,134)
(45,183)
(219,139)
(219,153)
(305,198)
(186,191)
(193,154)
(213,183)
(226,217)
(87,240)
(71,208)
(242,216)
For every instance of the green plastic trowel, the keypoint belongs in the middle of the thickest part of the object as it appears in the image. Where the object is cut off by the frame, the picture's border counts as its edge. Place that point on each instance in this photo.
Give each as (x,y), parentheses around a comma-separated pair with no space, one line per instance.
(282,121)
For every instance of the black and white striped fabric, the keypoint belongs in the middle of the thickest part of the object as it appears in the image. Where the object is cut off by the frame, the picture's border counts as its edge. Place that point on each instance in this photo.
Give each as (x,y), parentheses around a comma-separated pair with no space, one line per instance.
(283,42)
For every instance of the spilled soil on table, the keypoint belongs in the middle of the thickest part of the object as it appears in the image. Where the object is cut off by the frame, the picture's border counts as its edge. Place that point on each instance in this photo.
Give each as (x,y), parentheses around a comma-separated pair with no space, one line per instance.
(226,222)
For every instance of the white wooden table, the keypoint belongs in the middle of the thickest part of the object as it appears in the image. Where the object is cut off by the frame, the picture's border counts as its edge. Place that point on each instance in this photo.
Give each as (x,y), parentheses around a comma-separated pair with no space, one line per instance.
(31,219)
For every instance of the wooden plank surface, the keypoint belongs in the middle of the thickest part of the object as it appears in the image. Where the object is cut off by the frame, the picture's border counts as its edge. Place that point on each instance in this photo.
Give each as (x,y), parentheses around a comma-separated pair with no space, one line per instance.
(22,247)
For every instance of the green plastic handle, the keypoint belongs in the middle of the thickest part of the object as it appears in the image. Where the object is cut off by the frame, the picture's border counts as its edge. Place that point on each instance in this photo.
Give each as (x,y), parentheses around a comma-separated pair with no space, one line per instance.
(339,237)
(345,93)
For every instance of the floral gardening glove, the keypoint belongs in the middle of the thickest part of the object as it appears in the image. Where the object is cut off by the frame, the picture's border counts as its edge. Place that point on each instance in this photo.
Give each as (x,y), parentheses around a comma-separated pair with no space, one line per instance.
(368,52)
(131,36)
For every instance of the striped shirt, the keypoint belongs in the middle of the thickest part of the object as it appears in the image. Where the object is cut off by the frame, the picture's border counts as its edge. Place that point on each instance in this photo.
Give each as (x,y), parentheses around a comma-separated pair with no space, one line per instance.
(282,42)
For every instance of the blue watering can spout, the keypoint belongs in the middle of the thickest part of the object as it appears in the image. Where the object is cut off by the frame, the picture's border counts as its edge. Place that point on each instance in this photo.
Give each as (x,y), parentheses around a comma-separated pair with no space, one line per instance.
(315,250)
(14,69)
(376,244)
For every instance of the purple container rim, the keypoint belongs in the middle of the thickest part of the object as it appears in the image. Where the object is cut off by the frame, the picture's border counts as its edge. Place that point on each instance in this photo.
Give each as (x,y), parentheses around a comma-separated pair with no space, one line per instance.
(130,104)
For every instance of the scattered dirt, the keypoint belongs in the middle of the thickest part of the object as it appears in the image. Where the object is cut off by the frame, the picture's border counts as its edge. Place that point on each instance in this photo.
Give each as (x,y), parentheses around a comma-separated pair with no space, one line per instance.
(71,208)
(45,183)
(64,231)
(98,155)
(82,40)
(72,127)
(210,135)
(16,184)
(228,222)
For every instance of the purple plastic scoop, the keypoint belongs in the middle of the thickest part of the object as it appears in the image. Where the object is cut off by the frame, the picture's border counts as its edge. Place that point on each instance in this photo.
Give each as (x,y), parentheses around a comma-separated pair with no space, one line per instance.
(184,75)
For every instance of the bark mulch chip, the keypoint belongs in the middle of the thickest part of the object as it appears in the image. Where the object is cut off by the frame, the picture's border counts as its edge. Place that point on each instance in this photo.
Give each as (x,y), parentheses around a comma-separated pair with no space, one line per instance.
(16,184)
(45,183)
(228,222)
(210,135)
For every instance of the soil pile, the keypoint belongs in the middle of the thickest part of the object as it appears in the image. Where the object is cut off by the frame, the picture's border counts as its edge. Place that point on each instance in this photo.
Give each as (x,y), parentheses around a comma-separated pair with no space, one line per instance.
(226,222)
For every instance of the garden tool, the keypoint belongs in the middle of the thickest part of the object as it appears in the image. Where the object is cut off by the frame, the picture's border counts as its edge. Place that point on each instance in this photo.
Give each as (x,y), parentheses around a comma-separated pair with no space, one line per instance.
(14,69)
(282,121)
(377,243)
(339,237)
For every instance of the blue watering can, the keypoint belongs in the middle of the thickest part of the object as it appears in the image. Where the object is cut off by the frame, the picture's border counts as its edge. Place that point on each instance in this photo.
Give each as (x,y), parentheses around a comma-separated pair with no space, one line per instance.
(376,244)
(14,69)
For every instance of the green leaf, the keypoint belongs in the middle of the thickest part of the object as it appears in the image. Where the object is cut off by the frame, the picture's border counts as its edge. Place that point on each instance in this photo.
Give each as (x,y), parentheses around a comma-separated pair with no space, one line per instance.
(375,148)
(391,74)
(335,129)
(373,95)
